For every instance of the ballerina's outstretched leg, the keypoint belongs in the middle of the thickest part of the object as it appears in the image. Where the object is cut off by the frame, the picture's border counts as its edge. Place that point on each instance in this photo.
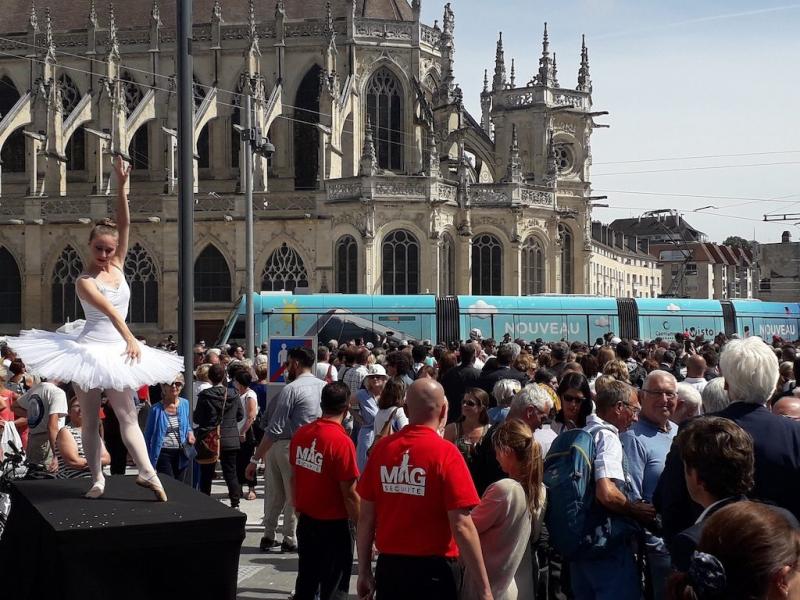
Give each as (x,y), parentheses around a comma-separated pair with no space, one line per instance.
(90,433)
(122,403)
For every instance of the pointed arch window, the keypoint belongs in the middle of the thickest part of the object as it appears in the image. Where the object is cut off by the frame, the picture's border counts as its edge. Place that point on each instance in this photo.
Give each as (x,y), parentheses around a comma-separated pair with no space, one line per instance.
(13,152)
(70,95)
(447,266)
(11,290)
(212,278)
(306,134)
(76,151)
(140,271)
(133,93)
(204,148)
(284,270)
(65,303)
(198,91)
(400,263)
(347,265)
(139,148)
(487,265)
(385,110)
(532,267)
(567,268)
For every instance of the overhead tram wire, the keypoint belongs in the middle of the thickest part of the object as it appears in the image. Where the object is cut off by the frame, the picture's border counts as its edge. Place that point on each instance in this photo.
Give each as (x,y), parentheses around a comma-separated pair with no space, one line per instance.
(391,130)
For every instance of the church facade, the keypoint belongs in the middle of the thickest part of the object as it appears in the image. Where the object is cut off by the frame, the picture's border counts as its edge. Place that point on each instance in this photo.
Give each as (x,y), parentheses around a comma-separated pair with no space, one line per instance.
(381,181)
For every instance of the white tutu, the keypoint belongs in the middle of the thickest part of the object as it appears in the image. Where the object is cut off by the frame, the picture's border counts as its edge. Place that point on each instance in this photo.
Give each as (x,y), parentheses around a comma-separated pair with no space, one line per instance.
(91,353)
(92,364)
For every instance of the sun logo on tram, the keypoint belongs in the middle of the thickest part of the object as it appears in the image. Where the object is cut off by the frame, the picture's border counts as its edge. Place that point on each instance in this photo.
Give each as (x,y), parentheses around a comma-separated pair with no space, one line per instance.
(289,309)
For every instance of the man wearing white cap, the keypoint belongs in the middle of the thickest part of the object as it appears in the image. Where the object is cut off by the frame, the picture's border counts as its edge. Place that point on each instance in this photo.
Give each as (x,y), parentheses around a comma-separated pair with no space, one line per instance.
(367,398)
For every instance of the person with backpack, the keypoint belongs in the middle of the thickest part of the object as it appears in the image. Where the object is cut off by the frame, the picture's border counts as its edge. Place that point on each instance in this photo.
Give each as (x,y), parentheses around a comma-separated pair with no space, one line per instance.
(590,519)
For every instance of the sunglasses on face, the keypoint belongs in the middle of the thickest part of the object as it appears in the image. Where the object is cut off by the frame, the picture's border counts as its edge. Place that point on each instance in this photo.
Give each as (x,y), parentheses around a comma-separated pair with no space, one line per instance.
(176,384)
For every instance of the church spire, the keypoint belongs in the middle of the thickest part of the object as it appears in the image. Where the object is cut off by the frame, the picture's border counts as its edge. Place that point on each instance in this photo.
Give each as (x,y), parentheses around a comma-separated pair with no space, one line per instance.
(369,161)
(92,14)
(513,78)
(584,80)
(545,76)
(555,72)
(50,45)
(252,29)
(499,80)
(113,41)
(514,168)
(33,20)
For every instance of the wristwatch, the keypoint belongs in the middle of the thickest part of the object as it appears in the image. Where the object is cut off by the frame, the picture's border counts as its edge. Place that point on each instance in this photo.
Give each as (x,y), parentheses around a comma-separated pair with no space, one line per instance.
(254,460)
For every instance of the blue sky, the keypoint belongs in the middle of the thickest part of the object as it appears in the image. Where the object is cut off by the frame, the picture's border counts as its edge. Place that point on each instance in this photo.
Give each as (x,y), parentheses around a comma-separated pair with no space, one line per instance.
(679,79)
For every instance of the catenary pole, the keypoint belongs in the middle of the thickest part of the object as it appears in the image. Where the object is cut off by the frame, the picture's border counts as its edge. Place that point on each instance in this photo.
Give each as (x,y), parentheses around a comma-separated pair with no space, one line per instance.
(248,203)
(183,49)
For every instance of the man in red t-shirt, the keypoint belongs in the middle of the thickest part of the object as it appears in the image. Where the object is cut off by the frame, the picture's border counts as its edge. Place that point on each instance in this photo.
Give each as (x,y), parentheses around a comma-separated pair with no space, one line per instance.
(324,474)
(416,495)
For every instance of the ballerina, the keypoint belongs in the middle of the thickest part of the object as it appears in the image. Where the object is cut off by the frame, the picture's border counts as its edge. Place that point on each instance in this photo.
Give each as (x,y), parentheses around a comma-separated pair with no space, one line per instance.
(101,354)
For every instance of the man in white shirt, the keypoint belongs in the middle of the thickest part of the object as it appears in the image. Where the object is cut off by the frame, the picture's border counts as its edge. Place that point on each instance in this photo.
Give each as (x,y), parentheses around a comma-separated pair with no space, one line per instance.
(324,369)
(695,372)
(45,407)
(612,574)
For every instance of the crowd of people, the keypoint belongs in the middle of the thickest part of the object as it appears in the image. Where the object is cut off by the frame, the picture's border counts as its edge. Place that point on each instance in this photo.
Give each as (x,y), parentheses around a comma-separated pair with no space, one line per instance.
(667,469)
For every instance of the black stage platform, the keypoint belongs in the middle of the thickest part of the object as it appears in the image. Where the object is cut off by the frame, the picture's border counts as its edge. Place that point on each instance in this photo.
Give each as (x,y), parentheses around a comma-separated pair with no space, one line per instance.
(60,545)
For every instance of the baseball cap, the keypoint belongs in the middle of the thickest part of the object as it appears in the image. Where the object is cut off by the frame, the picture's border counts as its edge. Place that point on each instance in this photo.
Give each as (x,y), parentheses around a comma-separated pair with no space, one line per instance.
(475,334)
(615,340)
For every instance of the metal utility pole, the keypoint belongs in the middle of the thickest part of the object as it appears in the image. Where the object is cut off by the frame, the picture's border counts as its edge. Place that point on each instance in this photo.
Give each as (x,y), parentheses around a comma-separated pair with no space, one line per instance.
(250,320)
(183,49)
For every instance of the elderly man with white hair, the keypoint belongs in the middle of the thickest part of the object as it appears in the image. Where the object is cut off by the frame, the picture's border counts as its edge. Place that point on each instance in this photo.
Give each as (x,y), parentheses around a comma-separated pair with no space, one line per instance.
(715,396)
(690,403)
(532,404)
(750,369)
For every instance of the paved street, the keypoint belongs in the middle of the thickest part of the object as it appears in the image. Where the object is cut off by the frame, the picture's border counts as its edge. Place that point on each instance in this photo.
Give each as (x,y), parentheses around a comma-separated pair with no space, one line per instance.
(263,575)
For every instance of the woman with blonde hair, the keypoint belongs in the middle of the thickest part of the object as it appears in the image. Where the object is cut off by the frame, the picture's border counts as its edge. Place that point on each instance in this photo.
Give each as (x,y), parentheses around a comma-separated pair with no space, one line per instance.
(510,514)
(618,370)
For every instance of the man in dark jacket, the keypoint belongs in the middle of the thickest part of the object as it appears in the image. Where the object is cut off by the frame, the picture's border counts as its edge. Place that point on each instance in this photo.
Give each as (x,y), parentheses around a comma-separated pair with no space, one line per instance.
(750,369)
(217,406)
(505,355)
(456,381)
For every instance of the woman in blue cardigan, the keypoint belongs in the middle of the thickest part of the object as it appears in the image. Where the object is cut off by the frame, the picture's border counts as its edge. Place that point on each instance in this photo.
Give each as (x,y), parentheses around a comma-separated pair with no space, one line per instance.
(168,429)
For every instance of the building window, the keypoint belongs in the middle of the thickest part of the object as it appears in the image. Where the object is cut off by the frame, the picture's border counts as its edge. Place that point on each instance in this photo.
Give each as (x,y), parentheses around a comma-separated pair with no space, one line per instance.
(347,265)
(212,278)
(65,303)
(139,148)
(487,265)
(11,290)
(400,263)
(75,151)
(140,271)
(70,95)
(385,110)
(565,237)
(284,271)
(133,93)
(204,148)
(532,267)
(306,134)
(13,153)
(564,158)
(447,267)
(198,92)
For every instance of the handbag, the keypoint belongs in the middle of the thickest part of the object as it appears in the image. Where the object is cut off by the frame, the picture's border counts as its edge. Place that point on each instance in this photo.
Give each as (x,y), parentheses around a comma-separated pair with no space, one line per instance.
(207,445)
(385,430)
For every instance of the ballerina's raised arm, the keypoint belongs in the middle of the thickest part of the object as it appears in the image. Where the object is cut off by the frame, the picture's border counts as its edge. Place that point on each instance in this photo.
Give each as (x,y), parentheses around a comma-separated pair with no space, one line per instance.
(122,169)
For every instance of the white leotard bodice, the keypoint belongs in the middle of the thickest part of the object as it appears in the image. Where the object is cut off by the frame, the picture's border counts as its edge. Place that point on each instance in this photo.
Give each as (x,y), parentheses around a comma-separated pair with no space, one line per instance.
(98,327)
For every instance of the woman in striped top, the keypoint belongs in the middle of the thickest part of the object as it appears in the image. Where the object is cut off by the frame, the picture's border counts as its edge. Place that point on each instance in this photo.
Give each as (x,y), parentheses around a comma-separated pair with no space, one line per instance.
(69,445)
(168,429)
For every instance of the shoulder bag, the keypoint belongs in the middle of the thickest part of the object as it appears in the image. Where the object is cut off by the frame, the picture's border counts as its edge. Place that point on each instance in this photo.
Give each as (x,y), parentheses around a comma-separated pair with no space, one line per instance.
(207,445)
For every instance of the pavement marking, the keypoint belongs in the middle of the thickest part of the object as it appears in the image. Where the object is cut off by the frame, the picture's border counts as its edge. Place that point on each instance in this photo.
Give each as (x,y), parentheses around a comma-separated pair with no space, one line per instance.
(246,572)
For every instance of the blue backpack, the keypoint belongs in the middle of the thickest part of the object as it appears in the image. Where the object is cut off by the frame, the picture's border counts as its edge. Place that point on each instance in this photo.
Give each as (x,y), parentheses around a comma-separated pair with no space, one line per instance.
(578,526)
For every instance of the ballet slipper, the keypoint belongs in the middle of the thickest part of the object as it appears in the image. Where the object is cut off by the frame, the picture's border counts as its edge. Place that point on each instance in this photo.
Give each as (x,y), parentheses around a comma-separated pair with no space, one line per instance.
(153,483)
(98,489)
